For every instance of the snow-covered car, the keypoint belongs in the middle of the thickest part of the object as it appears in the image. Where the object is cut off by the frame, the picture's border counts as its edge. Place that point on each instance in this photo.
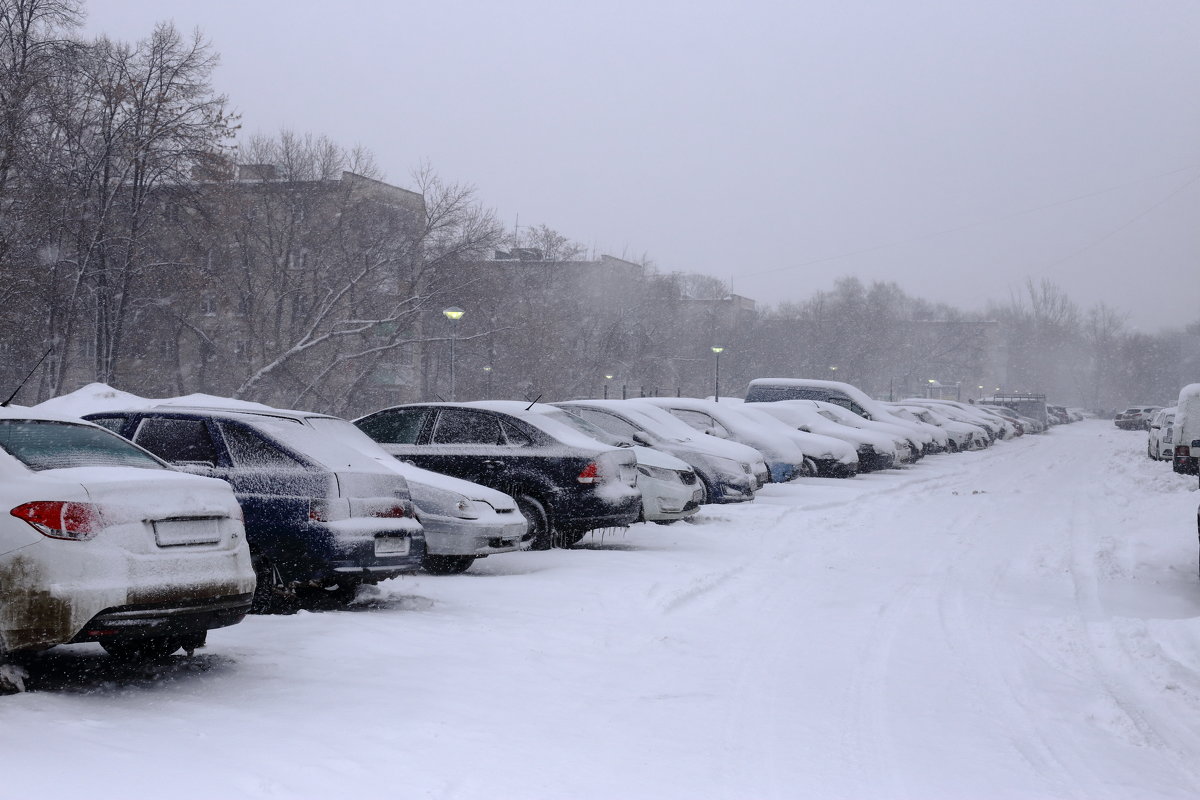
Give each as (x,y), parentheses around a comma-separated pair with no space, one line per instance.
(321,517)
(994,426)
(929,438)
(831,456)
(962,436)
(784,457)
(875,450)
(1135,418)
(670,489)
(1186,431)
(729,471)
(1159,445)
(564,483)
(105,543)
(908,446)
(462,521)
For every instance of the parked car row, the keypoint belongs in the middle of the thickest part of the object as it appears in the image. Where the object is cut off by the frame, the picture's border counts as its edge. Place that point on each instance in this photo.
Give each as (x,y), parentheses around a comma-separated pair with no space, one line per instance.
(144,527)
(1173,433)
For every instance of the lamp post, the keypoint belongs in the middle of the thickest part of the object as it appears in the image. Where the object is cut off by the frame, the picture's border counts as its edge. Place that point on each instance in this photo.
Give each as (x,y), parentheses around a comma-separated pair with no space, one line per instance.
(932,382)
(717,383)
(607,377)
(488,370)
(454,314)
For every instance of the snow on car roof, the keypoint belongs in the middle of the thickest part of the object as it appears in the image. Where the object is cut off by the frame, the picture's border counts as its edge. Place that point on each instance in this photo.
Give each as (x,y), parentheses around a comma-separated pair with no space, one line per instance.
(95,398)
(541,416)
(38,413)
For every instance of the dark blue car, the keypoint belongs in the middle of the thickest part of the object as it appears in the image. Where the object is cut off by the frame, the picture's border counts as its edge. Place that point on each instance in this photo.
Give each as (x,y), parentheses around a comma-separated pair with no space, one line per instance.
(321,518)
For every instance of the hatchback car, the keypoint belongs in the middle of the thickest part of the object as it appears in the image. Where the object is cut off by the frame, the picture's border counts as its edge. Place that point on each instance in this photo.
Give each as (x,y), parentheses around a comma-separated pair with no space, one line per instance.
(105,543)
(565,483)
(321,517)
(1135,418)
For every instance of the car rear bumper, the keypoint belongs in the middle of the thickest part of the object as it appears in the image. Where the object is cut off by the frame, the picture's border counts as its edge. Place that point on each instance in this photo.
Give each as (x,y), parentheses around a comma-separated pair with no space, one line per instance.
(446,536)
(164,619)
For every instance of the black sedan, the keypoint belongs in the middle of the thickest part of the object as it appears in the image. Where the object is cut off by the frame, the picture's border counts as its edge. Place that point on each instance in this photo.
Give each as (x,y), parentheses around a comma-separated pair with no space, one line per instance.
(565,483)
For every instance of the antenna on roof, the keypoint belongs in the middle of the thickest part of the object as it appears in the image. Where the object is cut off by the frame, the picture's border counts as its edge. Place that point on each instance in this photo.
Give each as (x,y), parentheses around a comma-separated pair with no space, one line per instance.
(21,385)
(534,403)
(439,397)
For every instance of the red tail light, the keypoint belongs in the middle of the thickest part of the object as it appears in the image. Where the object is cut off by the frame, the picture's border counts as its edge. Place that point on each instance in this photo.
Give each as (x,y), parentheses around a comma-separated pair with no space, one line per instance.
(60,519)
(590,474)
(1182,450)
(391,512)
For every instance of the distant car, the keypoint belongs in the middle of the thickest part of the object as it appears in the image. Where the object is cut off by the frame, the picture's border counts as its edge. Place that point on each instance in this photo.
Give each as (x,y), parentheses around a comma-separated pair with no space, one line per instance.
(730,472)
(1159,445)
(785,458)
(103,542)
(962,436)
(321,517)
(1135,418)
(929,438)
(564,483)
(462,521)
(875,450)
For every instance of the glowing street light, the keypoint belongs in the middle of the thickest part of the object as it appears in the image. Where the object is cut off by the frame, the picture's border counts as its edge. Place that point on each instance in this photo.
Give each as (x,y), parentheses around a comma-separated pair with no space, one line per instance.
(488,369)
(717,383)
(454,314)
(607,377)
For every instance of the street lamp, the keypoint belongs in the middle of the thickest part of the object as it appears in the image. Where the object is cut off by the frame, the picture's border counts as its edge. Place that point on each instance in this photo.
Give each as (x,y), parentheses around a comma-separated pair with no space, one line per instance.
(488,370)
(454,314)
(717,384)
(607,377)
(931,385)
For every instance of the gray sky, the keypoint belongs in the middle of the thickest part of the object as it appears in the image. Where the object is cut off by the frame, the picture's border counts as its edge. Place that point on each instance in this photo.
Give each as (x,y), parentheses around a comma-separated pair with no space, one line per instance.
(955,147)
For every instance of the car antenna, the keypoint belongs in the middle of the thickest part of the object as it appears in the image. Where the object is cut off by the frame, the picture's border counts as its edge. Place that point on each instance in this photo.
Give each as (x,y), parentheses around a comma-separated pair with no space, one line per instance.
(439,397)
(534,403)
(21,385)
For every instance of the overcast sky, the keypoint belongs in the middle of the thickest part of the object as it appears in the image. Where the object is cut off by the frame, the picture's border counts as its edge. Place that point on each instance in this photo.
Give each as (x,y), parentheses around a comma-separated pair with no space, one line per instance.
(954,147)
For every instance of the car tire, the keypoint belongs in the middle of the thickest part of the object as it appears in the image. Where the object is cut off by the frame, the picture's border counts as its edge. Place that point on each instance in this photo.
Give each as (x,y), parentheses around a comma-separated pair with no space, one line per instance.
(446,565)
(808,468)
(538,520)
(570,538)
(142,648)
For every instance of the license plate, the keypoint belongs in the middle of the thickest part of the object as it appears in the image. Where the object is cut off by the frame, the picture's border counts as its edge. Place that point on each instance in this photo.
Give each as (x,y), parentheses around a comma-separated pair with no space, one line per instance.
(392,545)
(179,532)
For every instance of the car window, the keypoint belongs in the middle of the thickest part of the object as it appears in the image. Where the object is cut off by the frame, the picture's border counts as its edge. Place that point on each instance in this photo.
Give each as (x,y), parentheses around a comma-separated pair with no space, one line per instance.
(248,449)
(47,444)
(514,437)
(395,426)
(177,441)
(700,421)
(465,426)
(613,424)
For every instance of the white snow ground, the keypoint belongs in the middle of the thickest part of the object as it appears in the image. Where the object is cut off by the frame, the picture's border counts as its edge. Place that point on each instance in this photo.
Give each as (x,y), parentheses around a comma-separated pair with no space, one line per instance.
(1014,623)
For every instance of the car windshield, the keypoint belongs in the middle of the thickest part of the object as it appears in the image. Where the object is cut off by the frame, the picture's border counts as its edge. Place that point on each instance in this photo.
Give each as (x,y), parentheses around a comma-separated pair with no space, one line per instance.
(46,444)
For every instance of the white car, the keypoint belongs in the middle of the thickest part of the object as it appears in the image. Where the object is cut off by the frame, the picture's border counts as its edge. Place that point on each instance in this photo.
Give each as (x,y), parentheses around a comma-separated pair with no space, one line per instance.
(784,458)
(1161,446)
(962,436)
(105,543)
(875,450)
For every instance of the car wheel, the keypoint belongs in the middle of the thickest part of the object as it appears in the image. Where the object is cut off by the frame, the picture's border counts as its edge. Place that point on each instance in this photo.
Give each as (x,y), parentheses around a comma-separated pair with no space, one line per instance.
(808,468)
(447,565)
(537,519)
(142,648)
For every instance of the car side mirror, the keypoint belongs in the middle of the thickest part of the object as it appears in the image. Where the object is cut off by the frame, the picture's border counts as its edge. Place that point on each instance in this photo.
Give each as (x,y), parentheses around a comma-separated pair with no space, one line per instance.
(805,428)
(642,439)
(714,432)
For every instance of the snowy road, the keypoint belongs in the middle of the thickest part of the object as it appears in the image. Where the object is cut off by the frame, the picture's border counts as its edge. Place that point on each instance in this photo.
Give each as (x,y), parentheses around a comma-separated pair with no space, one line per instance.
(1017,623)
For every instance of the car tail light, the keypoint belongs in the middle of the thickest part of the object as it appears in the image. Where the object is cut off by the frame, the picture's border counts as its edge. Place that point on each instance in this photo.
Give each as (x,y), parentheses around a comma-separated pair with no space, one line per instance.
(60,519)
(590,474)
(393,511)
(319,511)
(1182,450)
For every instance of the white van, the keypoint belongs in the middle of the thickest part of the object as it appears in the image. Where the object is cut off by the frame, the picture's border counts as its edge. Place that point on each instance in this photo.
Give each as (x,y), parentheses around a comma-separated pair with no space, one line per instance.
(1187,430)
